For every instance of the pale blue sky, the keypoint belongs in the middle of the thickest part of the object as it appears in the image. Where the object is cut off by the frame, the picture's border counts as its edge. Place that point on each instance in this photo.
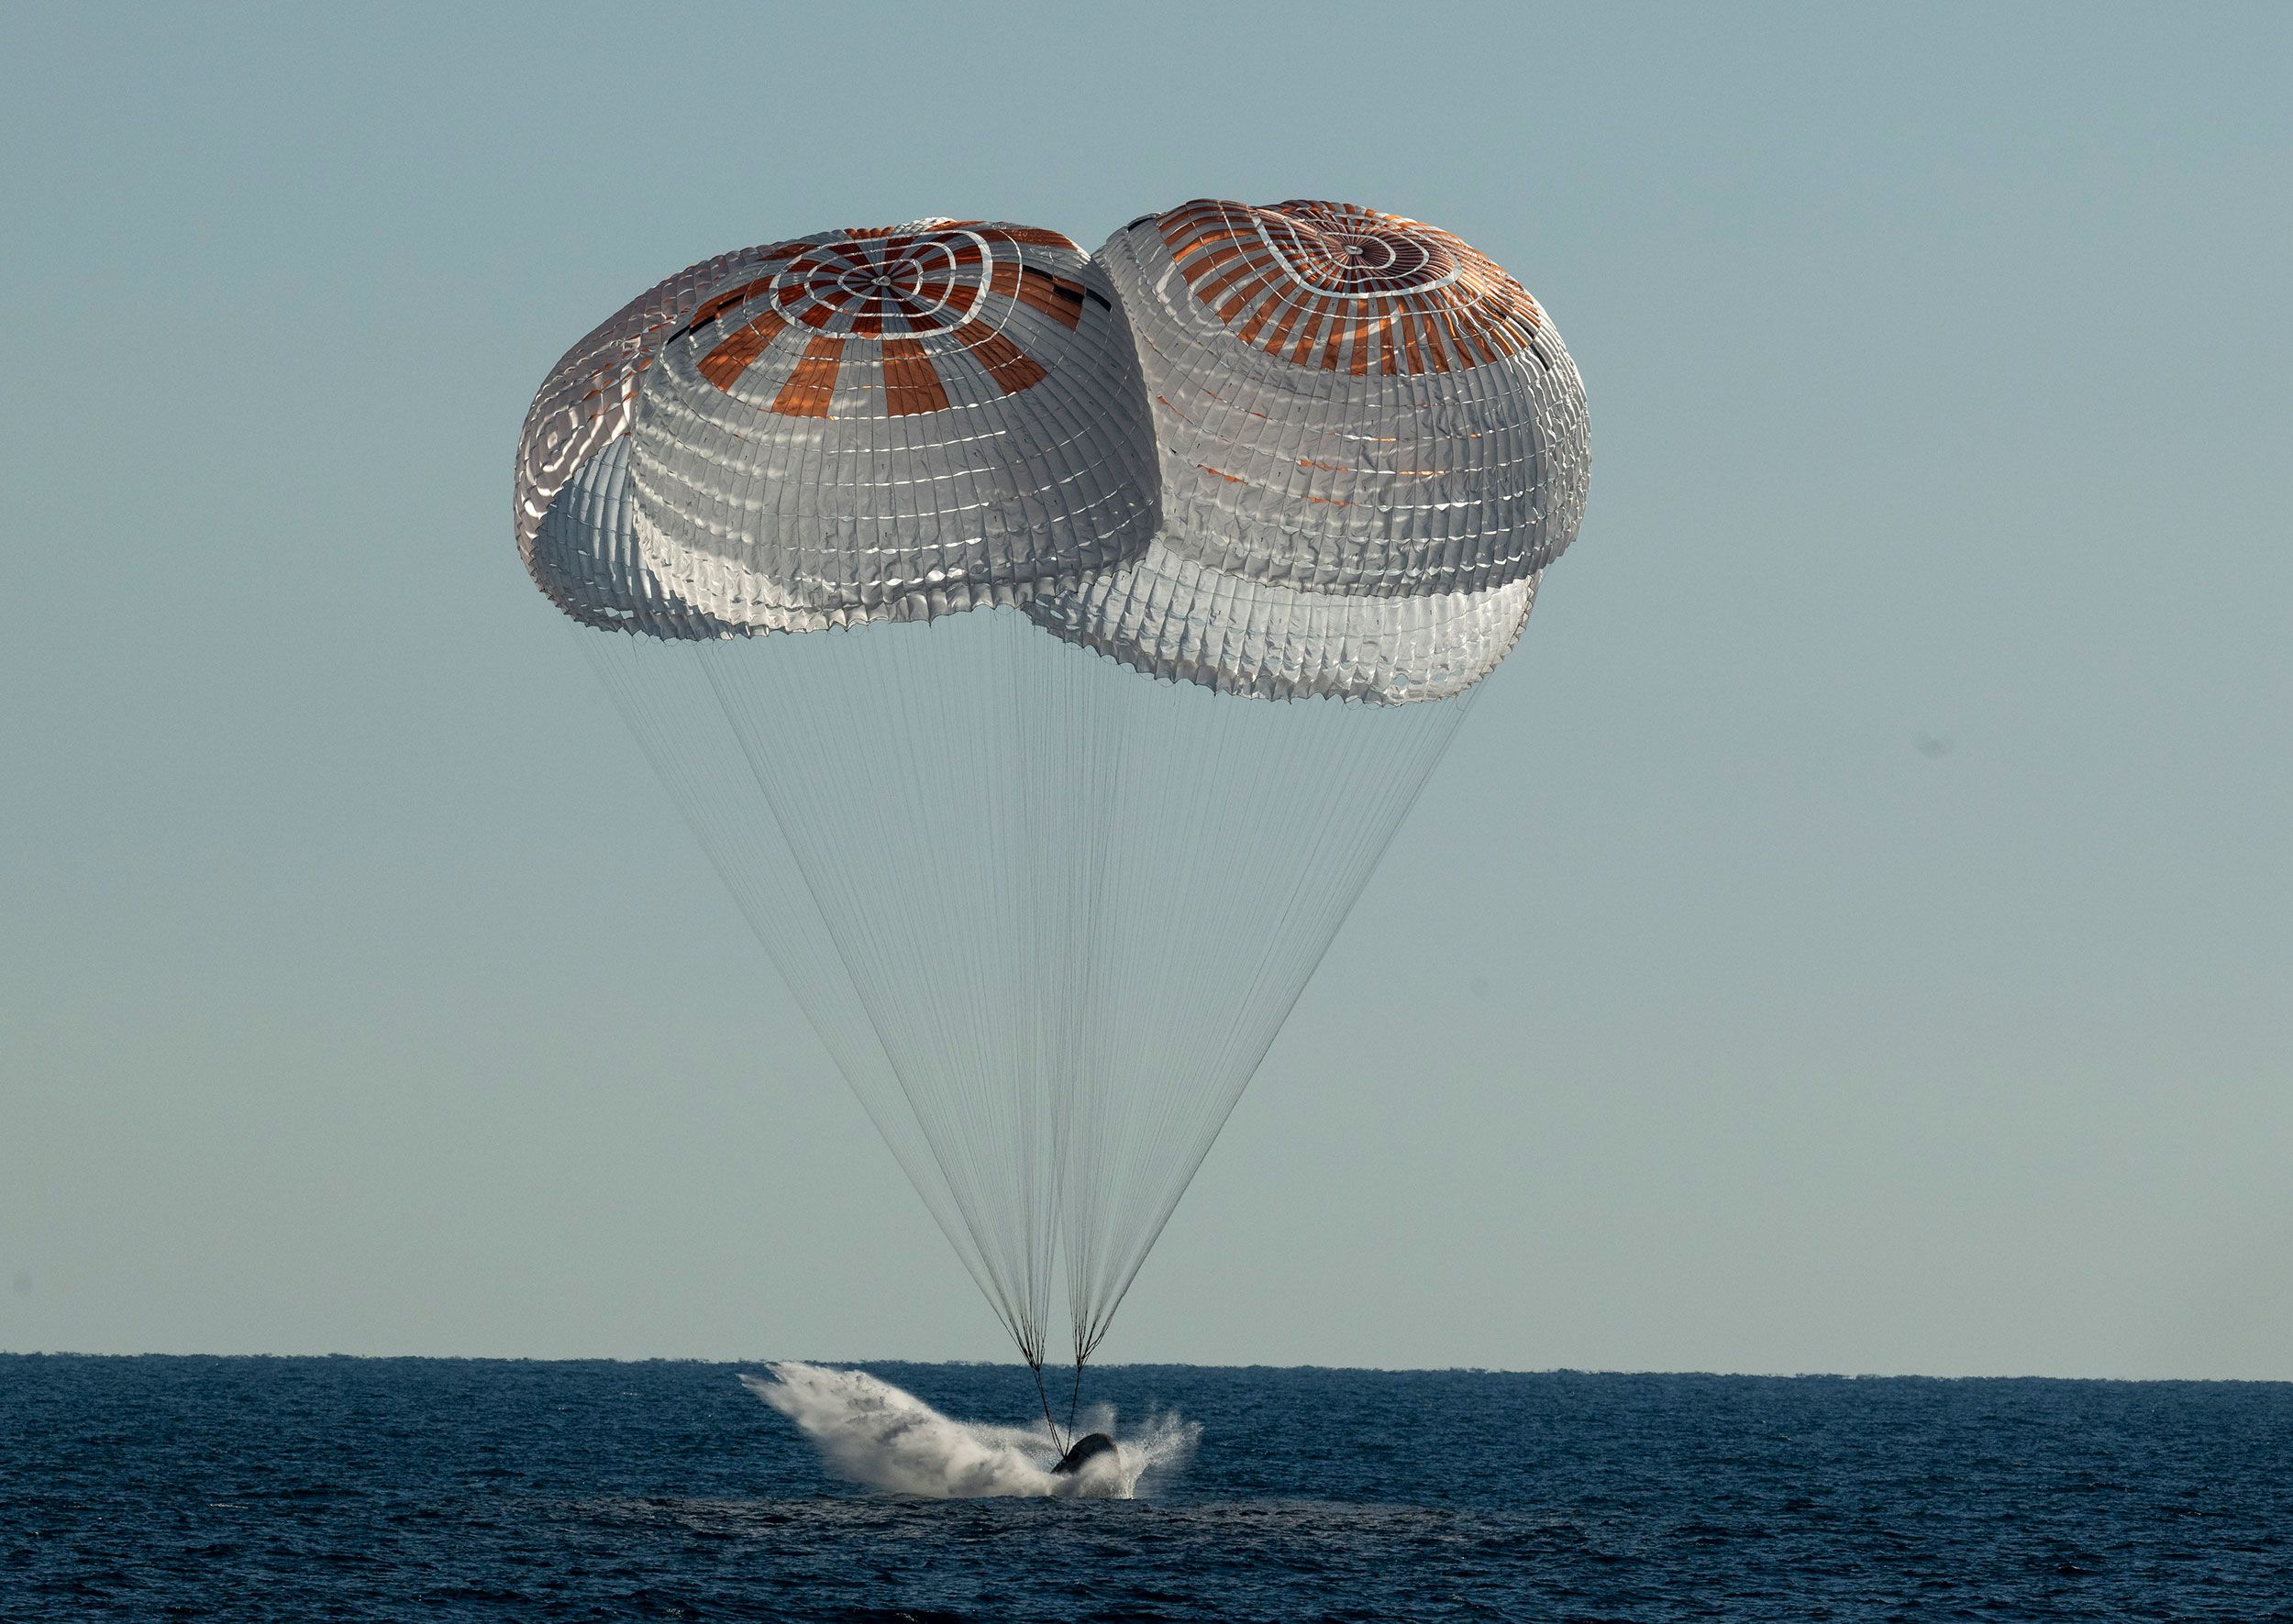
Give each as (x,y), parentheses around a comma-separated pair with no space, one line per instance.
(1701,1018)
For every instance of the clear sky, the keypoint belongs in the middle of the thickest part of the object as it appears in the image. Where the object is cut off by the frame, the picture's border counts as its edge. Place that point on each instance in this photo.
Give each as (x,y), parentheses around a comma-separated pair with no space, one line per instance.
(1855,931)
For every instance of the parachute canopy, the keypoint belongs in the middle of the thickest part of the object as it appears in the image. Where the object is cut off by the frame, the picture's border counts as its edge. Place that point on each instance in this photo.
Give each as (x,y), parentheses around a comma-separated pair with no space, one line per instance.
(895,426)
(875,502)
(1347,402)
(1371,443)
(886,424)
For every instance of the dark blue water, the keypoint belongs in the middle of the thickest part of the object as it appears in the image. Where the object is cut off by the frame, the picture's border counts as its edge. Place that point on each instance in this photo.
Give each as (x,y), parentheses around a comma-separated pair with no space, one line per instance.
(352,1489)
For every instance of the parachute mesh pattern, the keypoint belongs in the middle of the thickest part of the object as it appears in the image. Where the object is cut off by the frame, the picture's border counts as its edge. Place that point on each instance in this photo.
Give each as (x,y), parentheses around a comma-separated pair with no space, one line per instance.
(585,557)
(585,404)
(895,424)
(1172,616)
(1350,401)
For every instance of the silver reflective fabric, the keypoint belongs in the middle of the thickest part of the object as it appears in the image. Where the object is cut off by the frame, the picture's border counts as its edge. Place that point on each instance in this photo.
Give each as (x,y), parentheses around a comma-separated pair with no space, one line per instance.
(894,424)
(1371,442)
(584,556)
(1172,617)
(1350,401)
(588,564)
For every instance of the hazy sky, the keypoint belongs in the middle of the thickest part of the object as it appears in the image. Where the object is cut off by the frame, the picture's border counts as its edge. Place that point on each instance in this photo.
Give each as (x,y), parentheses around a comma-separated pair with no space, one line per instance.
(1854,932)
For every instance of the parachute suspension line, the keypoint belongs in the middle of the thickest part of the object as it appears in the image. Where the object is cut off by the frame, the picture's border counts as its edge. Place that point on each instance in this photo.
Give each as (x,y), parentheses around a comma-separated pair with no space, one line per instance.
(859,930)
(1043,1396)
(1046,914)
(666,695)
(945,792)
(1271,816)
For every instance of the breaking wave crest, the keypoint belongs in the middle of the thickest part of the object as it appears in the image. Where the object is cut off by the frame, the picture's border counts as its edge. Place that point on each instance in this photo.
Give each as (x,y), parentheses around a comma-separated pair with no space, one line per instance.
(871,1432)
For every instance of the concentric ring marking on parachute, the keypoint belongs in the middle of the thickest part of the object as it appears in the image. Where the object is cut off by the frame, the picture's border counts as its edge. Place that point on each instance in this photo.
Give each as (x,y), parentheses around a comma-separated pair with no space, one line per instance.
(591,394)
(891,293)
(895,422)
(1347,402)
(1344,288)
(585,562)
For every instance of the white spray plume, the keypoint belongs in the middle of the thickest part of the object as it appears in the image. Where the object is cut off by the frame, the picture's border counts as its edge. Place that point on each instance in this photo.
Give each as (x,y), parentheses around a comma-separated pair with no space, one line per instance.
(871,1432)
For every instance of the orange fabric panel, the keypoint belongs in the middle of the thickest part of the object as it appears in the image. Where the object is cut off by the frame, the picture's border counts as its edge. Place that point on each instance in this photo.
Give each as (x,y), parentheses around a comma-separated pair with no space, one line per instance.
(1008,364)
(724,365)
(806,393)
(911,383)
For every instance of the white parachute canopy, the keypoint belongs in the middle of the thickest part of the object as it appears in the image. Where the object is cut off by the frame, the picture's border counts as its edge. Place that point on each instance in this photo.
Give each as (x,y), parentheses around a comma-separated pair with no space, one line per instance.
(1295,471)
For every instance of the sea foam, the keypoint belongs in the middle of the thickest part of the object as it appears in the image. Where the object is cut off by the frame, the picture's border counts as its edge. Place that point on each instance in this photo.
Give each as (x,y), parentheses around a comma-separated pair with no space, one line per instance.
(872,1432)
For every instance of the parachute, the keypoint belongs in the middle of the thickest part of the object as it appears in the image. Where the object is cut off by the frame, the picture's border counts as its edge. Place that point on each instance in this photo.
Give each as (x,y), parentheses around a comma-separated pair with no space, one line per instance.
(1045,647)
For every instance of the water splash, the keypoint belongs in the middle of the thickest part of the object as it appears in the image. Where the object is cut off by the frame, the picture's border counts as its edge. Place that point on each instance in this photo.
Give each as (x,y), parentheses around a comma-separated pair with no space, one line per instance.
(870,1432)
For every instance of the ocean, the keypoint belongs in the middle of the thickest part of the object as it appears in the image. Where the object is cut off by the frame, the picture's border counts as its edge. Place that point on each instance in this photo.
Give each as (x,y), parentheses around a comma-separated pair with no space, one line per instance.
(250,1489)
